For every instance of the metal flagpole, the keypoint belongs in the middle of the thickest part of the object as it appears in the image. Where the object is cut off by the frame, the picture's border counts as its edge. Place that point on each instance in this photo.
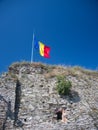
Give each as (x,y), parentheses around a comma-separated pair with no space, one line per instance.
(32,55)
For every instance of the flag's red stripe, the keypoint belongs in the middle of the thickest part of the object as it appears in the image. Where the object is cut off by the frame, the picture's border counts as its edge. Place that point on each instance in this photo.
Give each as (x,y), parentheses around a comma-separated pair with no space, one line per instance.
(46,51)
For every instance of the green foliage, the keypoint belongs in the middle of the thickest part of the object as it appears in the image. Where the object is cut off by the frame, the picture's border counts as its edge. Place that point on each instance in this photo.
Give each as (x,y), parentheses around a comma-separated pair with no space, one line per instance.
(63,85)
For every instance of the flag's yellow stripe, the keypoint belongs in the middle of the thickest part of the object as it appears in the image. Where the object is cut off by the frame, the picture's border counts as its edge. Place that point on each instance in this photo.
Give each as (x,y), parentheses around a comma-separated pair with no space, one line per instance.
(41,48)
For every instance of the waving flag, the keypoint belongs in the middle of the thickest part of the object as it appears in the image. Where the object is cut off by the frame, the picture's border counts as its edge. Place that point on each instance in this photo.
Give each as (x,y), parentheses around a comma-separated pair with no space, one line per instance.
(43,49)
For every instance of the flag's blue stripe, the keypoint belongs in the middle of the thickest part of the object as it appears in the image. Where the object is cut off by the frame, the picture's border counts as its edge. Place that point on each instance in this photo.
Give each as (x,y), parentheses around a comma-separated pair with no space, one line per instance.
(36,44)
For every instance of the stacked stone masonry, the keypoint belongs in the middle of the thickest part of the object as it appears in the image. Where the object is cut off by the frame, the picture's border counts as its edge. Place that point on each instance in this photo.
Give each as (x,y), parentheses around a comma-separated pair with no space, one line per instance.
(30,104)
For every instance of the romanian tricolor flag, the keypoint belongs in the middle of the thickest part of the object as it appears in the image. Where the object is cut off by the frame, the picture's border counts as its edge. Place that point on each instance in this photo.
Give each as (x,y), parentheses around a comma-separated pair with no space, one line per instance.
(43,49)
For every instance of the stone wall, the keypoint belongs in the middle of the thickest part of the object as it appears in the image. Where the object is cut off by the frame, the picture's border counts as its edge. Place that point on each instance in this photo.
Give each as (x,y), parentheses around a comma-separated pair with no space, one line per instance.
(29,100)
(7,102)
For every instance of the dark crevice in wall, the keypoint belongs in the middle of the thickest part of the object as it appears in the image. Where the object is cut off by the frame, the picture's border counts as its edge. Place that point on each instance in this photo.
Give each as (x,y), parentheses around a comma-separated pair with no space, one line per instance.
(17,122)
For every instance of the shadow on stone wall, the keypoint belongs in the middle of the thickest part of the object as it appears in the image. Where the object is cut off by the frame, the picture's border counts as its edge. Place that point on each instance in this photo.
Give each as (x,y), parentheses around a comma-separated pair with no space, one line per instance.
(8,112)
(72,97)
(7,108)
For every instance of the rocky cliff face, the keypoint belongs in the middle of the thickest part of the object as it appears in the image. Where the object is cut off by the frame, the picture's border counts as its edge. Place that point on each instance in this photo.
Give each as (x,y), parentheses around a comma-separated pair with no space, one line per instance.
(29,99)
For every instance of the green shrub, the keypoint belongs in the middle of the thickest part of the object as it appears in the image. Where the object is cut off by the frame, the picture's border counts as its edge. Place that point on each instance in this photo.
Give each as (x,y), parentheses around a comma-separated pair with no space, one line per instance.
(63,85)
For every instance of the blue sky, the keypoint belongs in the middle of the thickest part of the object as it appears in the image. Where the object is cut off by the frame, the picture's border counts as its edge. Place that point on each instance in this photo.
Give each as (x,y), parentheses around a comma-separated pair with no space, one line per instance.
(69,27)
